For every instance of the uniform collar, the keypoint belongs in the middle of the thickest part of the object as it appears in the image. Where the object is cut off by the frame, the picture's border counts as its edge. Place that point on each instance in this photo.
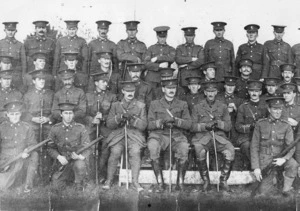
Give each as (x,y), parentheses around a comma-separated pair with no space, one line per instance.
(9,89)
(210,103)
(229,96)
(68,90)
(10,39)
(222,39)
(253,103)
(40,38)
(131,40)
(102,39)
(72,38)
(39,91)
(271,119)
(252,44)
(66,127)
(161,44)
(100,93)
(189,44)
(15,125)
(278,42)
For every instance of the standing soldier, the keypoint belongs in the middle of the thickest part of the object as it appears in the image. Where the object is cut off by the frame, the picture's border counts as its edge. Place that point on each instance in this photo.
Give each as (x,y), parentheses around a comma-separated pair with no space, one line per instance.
(39,42)
(16,137)
(271,135)
(247,116)
(211,121)
(296,57)
(130,50)
(252,50)
(71,42)
(67,137)
(242,82)
(131,114)
(11,47)
(276,53)
(167,115)
(102,43)
(189,56)
(221,51)
(159,55)
(98,105)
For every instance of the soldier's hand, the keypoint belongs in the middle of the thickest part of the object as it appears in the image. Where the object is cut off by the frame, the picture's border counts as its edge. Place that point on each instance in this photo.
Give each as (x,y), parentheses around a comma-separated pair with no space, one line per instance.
(262,80)
(96,121)
(211,126)
(279,161)
(154,59)
(99,115)
(257,174)
(232,105)
(194,59)
(37,120)
(62,159)
(292,122)
(169,124)
(139,60)
(77,157)
(44,120)
(164,64)
(25,154)
(126,116)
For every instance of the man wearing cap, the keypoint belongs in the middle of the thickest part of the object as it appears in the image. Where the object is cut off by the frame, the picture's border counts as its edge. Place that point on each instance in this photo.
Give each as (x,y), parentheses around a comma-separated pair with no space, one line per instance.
(242,82)
(287,73)
(209,71)
(221,51)
(271,86)
(159,55)
(270,137)
(39,42)
(71,42)
(102,43)
(276,53)
(67,137)
(12,47)
(131,50)
(251,50)
(38,103)
(131,112)
(7,92)
(232,101)
(194,96)
(98,105)
(247,116)
(69,94)
(189,56)
(211,119)
(165,114)
(16,137)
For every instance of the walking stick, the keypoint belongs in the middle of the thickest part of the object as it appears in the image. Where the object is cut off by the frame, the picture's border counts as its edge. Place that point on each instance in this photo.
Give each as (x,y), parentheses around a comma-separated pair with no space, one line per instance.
(126,155)
(216,157)
(170,170)
(96,146)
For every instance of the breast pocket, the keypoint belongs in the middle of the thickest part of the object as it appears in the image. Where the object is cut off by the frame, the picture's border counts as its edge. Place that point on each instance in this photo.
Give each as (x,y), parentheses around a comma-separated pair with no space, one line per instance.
(264,137)
(105,105)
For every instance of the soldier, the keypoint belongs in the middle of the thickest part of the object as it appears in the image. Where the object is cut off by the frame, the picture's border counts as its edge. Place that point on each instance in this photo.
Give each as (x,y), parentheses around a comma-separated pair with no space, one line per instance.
(211,119)
(5,62)
(209,71)
(296,58)
(159,55)
(98,105)
(297,81)
(276,53)
(7,92)
(16,137)
(160,124)
(242,82)
(189,56)
(130,50)
(271,135)
(38,104)
(287,73)
(66,138)
(102,43)
(247,116)
(194,96)
(12,47)
(221,51)
(271,85)
(251,50)
(131,112)
(69,94)
(71,42)
(39,42)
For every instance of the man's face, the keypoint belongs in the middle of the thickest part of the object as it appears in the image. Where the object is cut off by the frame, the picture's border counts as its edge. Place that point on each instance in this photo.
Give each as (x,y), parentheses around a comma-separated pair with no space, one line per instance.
(5,66)
(14,116)
(229,89)
(278,36)
(135,75)
(211,95)
(219,33)
(189,39)
(101,84)
(289,96)
(245,70)
(104,62)
(131,33)
(72,31)
(5,82)
(169,91)
(39,83)
(102,33)
(254,94)
(194,88)
(10,33)
(67,116)
(287,75)
(275,112)
(271,89)
(71,64)
(210,73)
(68,82)
(298,88)
(162,40)
(40,30)
(128,95)
(252,36)
(39,63)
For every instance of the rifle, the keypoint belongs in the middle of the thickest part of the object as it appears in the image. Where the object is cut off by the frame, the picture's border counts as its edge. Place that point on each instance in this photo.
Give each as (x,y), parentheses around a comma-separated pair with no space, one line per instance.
(124,70)
(96,145)
(30,149)
(267,173)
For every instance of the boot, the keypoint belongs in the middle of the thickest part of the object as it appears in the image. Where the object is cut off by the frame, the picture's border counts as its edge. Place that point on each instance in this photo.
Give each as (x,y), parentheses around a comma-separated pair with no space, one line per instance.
(287,190)
(181,169)
(135,169)
(204,173)
(225,173)
(158,175)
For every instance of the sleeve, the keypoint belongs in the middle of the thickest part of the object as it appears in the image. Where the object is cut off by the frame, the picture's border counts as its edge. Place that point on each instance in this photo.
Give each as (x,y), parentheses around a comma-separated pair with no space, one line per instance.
(23,60)
(237,59)
(199,61)
(289,139)
(114,119)
(226,119)
(240,125)
(206,51)
(84,54)
(254,147)
(115,60)
(55,109)
(180,58)
(80,112)
(30,137)
(232,59)
(290,56)
(85,140)
(124,56)
(140,121)
(170,57)
(52,146)
(266,62)
(27,115)
(147,59)
(56,60)
(185,122)
(153,123)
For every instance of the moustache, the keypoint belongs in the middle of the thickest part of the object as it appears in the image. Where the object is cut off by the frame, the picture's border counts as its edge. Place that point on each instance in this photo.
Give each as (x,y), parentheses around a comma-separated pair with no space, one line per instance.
(42,32)
(130,95)
(172,93)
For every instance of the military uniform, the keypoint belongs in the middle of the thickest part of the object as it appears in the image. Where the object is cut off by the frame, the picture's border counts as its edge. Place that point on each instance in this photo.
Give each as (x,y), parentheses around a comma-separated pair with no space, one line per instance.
(296,58)
(241,89)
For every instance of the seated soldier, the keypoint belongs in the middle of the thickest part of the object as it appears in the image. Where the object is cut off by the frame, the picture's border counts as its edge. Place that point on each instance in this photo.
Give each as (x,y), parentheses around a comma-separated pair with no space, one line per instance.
(15,138)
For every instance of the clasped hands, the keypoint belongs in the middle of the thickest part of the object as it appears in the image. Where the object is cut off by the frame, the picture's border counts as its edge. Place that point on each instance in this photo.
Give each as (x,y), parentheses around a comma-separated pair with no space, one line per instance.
(63,160)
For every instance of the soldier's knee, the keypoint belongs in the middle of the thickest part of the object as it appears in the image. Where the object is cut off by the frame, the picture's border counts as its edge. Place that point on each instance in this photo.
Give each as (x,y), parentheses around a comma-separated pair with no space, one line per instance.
(200,152)
(135,152)
(291,168)
(229,154)
(34,158)
(154,148)
(79,165)
(116,150)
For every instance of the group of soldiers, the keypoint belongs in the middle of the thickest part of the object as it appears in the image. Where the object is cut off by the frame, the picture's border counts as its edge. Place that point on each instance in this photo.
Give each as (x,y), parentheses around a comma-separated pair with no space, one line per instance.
(71,92)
